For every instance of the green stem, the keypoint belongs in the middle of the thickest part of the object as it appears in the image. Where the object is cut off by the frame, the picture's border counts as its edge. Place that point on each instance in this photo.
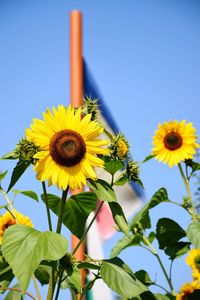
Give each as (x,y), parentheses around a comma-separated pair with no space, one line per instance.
(9,204)
(59,284)
(18,290)
(154,252)
(62,208)
(88,228)
(36,287)
(53,277)
(47,205)
(187,186)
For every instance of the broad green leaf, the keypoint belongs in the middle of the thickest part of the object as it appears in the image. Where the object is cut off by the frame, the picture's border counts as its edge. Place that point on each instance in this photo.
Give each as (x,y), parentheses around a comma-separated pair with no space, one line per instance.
(30,194)
(178,249)
(193,164)
(112,166)
(3,175)
(144,277)
(87,265)
(145,296)
(17,173)
(168,232)
(151,236)
(77,209)
(102,189)
(14,295)
(119,217)
(124,243)
(116,275)
(121,181)
(142,216)
(43,273)
(73,280)
(25,247)
(10,155)
(193,234)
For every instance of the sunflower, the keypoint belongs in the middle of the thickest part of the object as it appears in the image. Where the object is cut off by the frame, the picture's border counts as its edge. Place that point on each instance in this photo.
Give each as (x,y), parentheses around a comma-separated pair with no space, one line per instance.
(174,142)
(187,290)
(8,220)
(193,260)
(68,147)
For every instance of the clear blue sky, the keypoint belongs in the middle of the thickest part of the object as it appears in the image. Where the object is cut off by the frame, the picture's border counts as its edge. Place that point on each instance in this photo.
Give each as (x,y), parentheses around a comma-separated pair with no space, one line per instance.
(145,57)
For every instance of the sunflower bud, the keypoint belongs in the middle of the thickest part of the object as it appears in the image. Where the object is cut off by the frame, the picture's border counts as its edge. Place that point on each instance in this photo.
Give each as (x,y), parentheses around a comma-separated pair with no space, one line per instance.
(67,261)
(91,107)
(26,150)
(119,147)
(132,170)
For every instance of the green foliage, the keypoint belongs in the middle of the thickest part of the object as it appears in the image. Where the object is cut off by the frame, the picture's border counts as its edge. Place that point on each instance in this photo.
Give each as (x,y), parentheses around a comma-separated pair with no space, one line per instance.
(30,194)
(142,216)
(124,243)
(121,181)
(144,277)
(6,276)
(24,248)
(148,158)
(112,165)
(10,155)
(119,217)
(168,232)
(102,189)
(87,265)
(43,273)
(72,280)
(116,274)
(177,249)
(3,175)
(18,172)
(193,234)
(77,209)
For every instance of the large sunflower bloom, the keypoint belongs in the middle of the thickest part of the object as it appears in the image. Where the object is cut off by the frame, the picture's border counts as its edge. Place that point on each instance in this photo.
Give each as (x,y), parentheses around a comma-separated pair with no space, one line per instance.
(8,220)
(193,260)
(68,147)
(174,142)
(187,290)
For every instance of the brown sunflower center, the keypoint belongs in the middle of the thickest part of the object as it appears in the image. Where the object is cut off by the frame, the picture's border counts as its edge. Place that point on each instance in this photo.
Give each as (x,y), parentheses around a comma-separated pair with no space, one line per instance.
(67,148)
(173,141)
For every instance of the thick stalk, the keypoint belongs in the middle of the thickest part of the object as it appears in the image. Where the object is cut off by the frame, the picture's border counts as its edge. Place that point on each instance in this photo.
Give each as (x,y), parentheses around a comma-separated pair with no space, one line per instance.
(87,229)
(53,277)
(187,186)
(47,206)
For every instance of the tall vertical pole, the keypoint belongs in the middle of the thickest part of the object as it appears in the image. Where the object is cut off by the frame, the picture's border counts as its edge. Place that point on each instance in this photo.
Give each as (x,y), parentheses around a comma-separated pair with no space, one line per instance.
(76,93)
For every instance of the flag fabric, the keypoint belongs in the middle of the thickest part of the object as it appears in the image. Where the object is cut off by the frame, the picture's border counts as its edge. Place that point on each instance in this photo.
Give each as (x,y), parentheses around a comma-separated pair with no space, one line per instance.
(129,196)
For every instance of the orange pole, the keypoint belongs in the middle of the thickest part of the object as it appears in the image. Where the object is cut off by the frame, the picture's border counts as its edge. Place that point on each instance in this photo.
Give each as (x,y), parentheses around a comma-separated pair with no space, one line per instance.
(76,94)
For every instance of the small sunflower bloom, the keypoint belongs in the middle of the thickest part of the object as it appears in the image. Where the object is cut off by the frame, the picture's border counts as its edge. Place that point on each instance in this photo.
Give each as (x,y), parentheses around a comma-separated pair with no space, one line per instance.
(68,147)
(8,219)
(193,260)
(119,147)
(187,290)
(26,150)
(174,142)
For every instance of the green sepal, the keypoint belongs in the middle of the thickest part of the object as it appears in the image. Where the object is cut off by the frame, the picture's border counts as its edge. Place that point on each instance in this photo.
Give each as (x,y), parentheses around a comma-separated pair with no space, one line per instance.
(11,155)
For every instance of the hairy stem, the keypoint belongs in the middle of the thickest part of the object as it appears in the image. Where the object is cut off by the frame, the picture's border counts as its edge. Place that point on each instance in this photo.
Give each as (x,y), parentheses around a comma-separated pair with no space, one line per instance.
(47,206)
(187,186)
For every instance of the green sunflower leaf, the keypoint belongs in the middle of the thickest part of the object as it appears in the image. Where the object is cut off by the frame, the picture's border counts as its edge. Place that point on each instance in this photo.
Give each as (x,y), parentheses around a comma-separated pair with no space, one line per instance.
(142,216)
(124,243)
(148,158)
(119,217)
(18,172)
(10,155)
(25,247)
(102,189)
(121,181)
(168,232)
(144,277)
(3,175)
(43,273)
(30,194)
(112,166)
(117,275)
(6,276)
(73,280)
(77,209)
(178,249)
(193,234)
